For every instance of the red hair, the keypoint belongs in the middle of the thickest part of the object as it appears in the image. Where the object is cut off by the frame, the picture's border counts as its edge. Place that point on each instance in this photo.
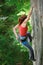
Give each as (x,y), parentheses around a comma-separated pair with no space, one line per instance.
(21,19)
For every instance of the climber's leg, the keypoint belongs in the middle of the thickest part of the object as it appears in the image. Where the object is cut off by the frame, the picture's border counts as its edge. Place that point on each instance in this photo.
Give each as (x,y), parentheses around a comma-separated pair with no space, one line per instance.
(26,44)
(29,36)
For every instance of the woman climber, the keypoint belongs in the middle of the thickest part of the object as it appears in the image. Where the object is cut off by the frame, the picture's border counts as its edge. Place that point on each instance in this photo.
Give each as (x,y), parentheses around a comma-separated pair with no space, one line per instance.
(23,34)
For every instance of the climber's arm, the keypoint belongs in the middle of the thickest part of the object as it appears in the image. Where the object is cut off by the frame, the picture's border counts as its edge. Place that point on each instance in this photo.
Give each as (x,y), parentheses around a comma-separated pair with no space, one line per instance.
(28,17)
(14,30)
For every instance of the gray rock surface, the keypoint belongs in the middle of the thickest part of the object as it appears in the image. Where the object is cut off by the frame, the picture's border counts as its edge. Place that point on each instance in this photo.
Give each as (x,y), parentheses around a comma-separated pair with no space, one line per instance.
(37,24)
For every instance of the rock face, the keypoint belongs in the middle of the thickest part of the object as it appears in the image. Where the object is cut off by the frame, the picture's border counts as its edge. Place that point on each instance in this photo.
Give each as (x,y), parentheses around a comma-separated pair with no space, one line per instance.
(37,23)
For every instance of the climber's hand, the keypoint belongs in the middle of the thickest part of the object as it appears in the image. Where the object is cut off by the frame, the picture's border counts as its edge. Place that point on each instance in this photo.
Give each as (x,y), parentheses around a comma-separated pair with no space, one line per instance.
(16,37)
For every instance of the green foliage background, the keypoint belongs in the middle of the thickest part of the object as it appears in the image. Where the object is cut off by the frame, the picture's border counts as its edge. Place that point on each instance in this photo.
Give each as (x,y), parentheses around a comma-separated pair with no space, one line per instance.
(11,51)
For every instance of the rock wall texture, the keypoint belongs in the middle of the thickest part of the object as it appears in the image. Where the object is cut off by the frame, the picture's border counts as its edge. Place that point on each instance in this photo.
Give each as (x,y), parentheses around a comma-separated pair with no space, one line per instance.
(37,23)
